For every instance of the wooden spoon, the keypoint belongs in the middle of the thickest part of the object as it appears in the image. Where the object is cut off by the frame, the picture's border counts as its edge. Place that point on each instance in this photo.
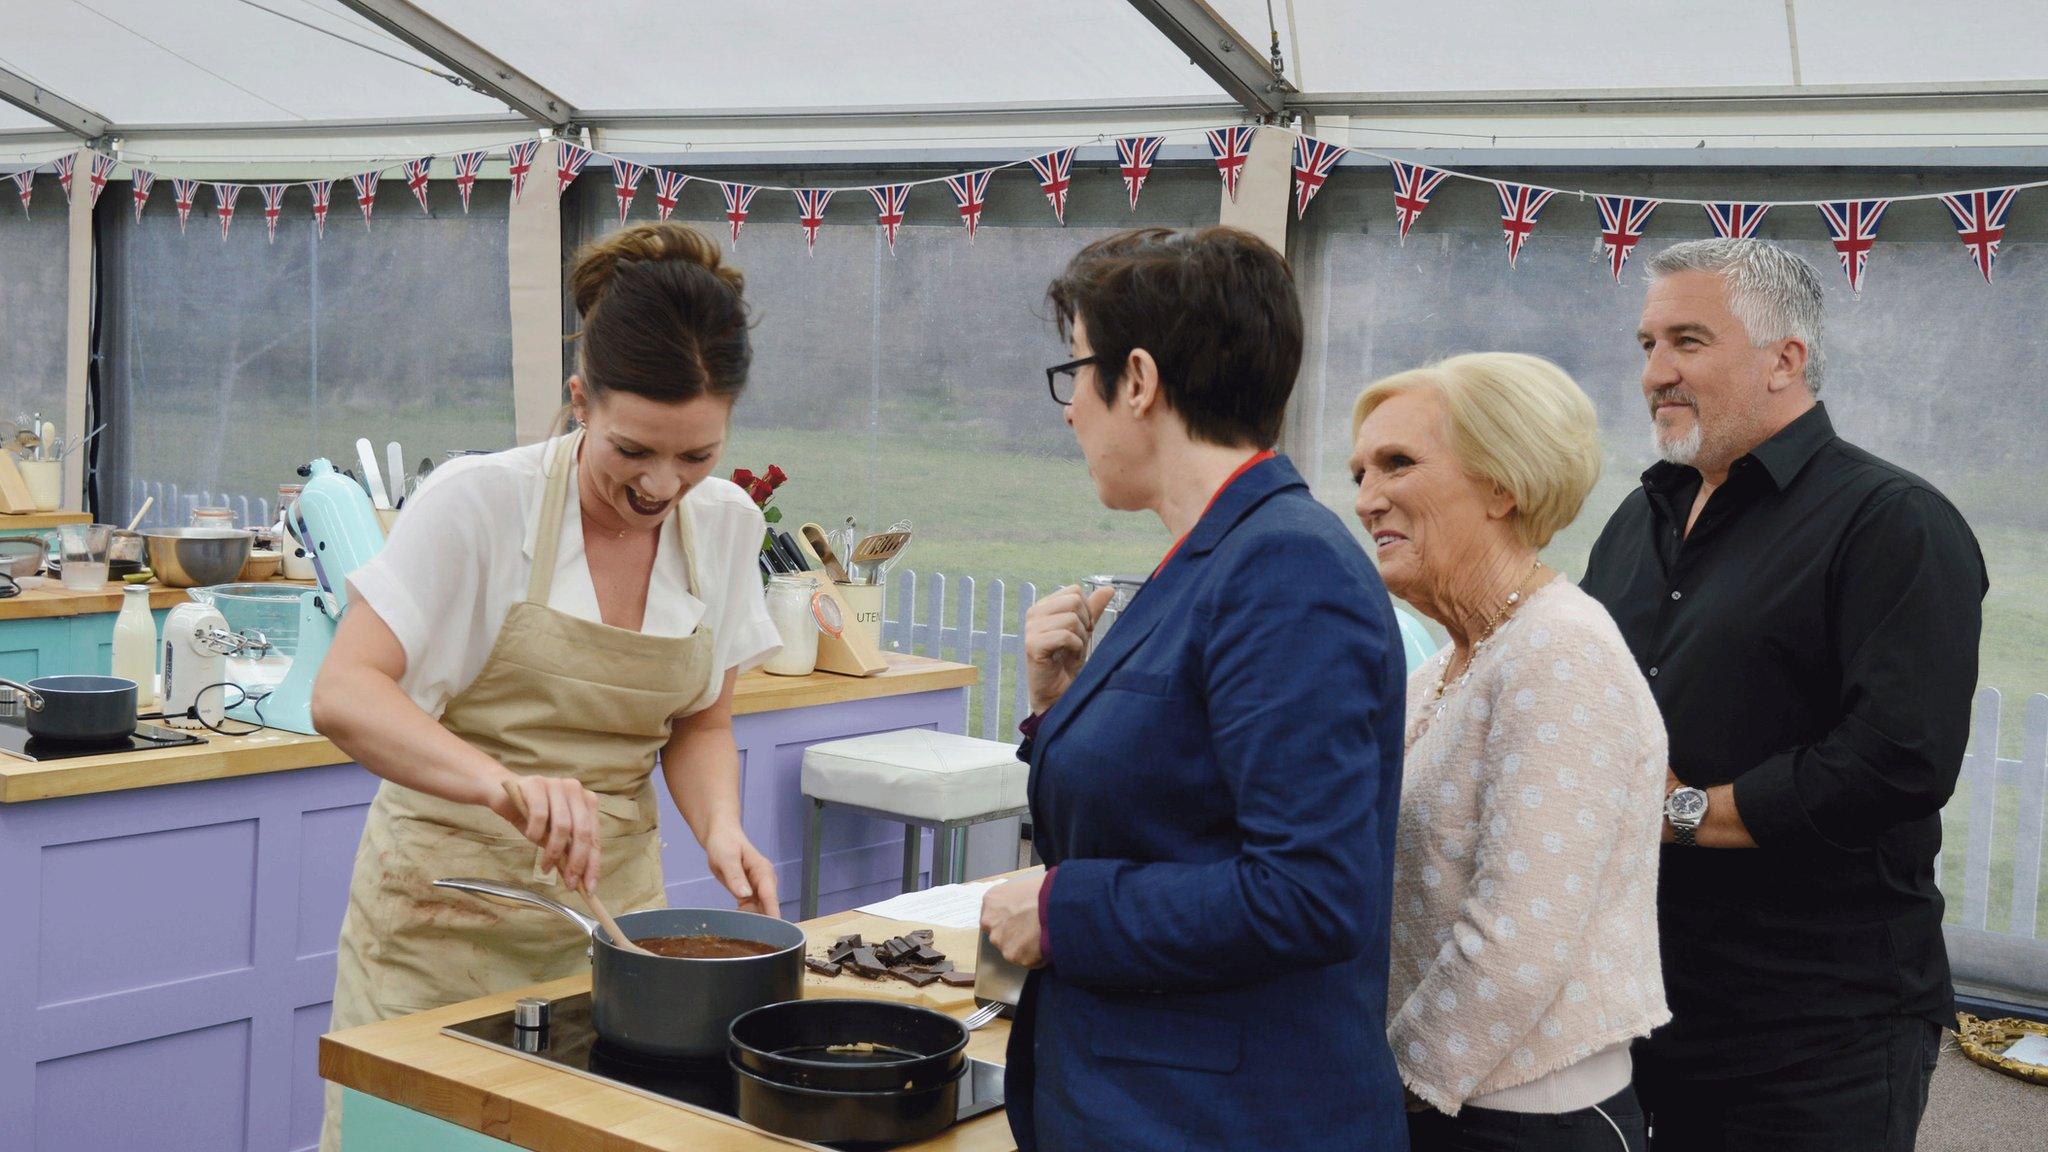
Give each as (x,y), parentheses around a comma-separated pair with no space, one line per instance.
(590,897)
(141,512)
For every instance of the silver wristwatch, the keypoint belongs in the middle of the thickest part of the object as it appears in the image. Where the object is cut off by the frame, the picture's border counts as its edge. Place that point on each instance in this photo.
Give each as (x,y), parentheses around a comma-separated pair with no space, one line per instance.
(1685,808)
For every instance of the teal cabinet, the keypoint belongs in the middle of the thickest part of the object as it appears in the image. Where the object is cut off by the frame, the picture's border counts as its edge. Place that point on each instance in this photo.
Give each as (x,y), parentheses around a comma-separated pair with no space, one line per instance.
(369,1124)
(61,645)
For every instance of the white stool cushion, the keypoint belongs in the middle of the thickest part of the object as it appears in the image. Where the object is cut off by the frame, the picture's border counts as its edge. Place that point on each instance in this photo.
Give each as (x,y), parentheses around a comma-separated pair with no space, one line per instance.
(917,773)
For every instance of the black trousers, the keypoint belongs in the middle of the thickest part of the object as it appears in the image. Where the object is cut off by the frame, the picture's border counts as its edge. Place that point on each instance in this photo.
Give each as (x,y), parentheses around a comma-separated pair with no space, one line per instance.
(1864,1097)
(1488,1130)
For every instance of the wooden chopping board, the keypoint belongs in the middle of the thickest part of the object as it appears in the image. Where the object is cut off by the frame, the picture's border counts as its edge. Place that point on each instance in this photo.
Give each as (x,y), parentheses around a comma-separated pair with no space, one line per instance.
(957,943)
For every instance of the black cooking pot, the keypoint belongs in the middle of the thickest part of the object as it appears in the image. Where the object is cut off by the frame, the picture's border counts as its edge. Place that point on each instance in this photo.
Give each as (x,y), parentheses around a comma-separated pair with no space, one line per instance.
(673,1007)
(835,1071)
(73,709)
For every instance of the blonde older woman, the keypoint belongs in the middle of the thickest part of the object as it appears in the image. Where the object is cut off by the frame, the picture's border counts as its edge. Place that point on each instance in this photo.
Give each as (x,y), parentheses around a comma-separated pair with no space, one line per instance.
(1525,875)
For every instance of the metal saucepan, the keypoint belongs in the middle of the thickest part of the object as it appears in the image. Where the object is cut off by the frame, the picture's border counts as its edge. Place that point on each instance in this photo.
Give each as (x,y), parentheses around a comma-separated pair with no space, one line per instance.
(834,1071)
(73,709)
(677,1008)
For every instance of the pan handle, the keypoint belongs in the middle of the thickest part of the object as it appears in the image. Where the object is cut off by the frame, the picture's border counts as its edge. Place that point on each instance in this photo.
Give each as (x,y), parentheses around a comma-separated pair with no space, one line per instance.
(30,696)
(480,887)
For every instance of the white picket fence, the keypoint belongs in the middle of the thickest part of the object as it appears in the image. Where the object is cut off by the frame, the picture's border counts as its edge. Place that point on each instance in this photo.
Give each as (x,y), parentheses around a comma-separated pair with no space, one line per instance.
(173,508)
(2015,957)
(942,617)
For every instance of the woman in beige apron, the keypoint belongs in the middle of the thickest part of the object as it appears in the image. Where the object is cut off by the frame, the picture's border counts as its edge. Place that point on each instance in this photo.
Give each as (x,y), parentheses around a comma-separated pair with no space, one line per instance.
(571,712)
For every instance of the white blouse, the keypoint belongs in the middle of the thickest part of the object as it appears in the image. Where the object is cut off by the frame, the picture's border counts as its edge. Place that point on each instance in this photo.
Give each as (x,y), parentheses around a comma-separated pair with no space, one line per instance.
(459,557)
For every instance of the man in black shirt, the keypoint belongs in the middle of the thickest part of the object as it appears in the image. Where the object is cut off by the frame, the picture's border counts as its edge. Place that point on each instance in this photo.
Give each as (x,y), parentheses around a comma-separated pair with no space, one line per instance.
(1807,615)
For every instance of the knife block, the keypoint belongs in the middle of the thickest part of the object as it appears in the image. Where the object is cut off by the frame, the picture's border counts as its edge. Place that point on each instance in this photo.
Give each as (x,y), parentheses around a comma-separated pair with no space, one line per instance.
(851,653)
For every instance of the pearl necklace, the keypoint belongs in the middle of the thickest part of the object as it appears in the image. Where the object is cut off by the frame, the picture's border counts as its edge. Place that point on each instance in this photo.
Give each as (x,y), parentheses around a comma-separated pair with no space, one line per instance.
(1493,622)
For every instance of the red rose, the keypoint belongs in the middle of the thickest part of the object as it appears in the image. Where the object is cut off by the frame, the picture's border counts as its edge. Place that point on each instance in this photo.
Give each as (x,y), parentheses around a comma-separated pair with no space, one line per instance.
(743,478)
(776,476)
(761,492)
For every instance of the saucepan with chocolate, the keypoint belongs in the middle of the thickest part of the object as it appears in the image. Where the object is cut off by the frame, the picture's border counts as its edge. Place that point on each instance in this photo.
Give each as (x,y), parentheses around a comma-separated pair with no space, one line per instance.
(708,966)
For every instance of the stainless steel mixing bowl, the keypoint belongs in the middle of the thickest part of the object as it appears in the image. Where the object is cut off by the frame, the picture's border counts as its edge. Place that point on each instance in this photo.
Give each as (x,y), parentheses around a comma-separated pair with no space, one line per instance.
(193,557)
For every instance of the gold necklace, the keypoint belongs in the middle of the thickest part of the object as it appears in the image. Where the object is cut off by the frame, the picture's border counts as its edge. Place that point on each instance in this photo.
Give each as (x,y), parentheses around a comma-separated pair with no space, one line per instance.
(1493,622)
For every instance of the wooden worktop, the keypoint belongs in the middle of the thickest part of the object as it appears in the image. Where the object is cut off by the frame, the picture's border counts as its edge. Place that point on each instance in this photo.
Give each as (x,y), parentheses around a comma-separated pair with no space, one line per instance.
(40,521)
(51,598)
(408,1062)
(271,750)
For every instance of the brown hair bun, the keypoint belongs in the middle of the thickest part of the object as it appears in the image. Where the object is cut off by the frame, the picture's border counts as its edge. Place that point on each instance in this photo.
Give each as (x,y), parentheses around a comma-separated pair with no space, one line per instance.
(663,315)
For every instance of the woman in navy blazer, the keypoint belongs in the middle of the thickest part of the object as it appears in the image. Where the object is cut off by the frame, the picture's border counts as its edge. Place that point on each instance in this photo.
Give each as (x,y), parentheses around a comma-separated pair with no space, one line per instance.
(1214,790)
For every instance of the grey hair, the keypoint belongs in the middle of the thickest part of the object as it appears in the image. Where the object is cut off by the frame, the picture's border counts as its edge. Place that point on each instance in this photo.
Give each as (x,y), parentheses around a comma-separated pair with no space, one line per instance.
(1774,293)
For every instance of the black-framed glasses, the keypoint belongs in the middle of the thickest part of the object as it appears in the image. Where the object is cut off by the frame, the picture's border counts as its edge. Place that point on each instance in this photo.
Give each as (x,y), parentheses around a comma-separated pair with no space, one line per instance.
(1059,379)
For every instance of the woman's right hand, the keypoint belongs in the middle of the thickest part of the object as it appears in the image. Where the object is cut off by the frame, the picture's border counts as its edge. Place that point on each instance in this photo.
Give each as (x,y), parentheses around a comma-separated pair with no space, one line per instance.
(560,815)
(1056,631)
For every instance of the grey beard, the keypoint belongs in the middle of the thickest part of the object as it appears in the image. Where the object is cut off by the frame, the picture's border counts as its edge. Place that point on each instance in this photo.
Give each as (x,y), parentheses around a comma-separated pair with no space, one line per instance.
(1683,450)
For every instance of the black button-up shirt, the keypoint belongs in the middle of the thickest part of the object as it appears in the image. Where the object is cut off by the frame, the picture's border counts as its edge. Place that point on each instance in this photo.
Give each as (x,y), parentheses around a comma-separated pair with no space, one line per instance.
(1812,640)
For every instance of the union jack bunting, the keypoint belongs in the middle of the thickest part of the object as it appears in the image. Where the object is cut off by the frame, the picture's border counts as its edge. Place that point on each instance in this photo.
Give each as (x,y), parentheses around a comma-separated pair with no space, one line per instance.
(140,182)
(1621,227)
(969,190)
(102,167)
(321,190)
(1414,184)
(1519,206)
(182,192)
(467,165)
(737,198)
(890,201)
(366,194)
(1313,161)
(224,205)
(416,175)
(1980,221)
(1736,221)
(626,177)
(65,165)
(810,208)
(1134,156)
(569,162)
(1853,226)
(1056,175)
(1231,147)
(273,207)
(520,158)
(24,186)
(668,191)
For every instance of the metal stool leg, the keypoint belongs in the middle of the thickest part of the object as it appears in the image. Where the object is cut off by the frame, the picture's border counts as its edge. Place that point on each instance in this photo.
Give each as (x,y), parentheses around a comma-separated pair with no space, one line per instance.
(814,836)
(911,832)
(944,860)
(956,864)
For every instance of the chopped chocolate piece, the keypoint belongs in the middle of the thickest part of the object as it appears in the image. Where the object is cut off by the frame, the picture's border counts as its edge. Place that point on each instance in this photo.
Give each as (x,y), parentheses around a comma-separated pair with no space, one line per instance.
(821,967)
(852,941)
(940,965)
(913,976)
(922,935)
(926,954)
(865,963)
(957,979)
(842,952)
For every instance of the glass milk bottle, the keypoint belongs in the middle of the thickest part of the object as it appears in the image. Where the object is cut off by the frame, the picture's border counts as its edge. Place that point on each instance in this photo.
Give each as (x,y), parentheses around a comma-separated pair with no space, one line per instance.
(796,623)
(135,644)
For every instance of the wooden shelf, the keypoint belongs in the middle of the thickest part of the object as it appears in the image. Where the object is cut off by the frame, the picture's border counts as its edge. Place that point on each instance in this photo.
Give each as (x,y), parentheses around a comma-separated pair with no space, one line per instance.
(52,599)
(33,521)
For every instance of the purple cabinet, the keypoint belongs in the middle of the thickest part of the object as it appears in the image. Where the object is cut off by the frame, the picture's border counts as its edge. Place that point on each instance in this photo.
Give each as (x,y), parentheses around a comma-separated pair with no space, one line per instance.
(167,954)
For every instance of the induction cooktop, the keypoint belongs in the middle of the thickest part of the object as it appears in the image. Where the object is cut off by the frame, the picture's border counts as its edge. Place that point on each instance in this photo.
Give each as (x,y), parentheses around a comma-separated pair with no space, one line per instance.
(571,1044)
(16,742)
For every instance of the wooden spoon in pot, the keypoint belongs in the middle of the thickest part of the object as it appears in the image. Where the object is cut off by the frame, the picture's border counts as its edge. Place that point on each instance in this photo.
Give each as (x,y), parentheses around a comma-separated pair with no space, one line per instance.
(590,898)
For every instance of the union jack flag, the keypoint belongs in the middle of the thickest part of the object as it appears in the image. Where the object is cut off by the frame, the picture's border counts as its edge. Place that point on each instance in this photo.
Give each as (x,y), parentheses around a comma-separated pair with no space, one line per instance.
(416,179)
(24,185)
(890,202)
(182,192)
(1622,219)
(668,190)
(366,194)
(467,165)
(1414,184)
(1980,221)
(1231,147)
(224,205)
(1313,161)
(321,190)
(1134,156)
(273,207)
(810,207)
(626,177)
(102,167)
(569,162)
(1736,221)
(737,198)
(140,182)
(1519,206)
(969,190)
(65,165)
(1056,175)
(520,158)
(1853,225)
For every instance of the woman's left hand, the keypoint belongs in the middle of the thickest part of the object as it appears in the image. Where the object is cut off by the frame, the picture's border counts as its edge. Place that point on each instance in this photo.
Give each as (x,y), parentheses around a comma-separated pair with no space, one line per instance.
(1009,914)
(738,865)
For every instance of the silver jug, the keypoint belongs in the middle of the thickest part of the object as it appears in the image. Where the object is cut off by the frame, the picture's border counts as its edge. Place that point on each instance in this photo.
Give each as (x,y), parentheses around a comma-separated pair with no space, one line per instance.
(1126,587)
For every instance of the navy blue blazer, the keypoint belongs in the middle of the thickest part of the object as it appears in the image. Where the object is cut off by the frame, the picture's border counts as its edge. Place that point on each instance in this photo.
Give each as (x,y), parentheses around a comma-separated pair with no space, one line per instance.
(1218,788)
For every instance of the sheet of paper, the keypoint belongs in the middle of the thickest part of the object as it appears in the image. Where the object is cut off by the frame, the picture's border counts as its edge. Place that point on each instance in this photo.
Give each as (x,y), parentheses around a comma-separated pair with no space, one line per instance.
(2029,1049)
(946,906)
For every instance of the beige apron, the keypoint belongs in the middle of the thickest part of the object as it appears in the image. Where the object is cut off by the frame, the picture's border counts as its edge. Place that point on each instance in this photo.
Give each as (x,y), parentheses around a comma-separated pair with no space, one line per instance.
(558,696)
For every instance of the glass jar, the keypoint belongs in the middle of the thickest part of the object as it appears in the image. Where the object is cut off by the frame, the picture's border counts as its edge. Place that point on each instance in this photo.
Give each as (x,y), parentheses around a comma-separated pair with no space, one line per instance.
(1126,587)
(793,604)
(213,518)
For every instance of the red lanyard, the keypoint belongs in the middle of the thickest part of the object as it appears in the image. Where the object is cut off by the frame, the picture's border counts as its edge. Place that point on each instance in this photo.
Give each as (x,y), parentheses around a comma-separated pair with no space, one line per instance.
(1243,468)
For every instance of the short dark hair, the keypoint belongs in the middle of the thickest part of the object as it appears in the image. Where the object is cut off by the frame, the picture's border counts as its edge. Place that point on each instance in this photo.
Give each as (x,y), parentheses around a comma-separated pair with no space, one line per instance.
(1217,309)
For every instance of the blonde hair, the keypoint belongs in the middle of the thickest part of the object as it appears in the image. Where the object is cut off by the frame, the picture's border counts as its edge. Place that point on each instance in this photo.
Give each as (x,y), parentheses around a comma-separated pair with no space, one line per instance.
(1514,420)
